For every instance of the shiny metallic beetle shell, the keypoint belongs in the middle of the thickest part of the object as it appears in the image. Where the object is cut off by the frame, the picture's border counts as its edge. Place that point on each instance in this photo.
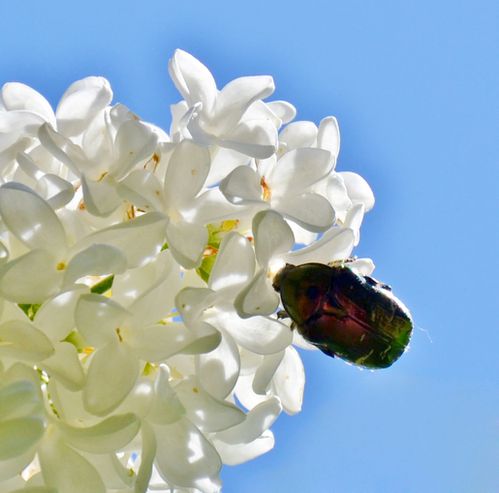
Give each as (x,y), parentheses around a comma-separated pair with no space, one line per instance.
(345,314)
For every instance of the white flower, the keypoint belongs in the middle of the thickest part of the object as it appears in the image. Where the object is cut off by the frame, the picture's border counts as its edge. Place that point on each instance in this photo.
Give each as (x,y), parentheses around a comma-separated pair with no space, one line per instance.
(140,347)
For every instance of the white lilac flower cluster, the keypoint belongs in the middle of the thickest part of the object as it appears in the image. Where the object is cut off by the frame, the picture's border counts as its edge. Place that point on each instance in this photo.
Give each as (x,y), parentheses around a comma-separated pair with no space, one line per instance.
(139,344)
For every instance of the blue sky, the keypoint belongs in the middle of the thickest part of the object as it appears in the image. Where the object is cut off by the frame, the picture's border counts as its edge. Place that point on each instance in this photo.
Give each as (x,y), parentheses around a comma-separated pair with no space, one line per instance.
(415,87)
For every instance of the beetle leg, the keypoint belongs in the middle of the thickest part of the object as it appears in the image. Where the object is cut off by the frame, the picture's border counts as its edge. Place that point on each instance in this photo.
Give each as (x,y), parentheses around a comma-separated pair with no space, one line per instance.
(282,314)
(342,262)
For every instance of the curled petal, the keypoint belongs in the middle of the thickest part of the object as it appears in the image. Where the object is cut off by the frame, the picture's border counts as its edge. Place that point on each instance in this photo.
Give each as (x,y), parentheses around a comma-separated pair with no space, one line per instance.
(139,239)
(206,412)
(261,335)
(289,381)
(96,260)
(109,435)
(18,398)
(273,236)
(310,210)
(187,242)
(111,375)
(18,435)
(184,456)
(242,452)
(193,80)
(31,219)
(328,137)
(55,318)
(18,96)
(255,138)
(335,244)
(235,264)
(18,284)
(218,370)
(283,110)
(97,318)
(242,185)
(257,298)
(101,197)
(358,189)
(143,189)
(299,169)
(187,170)
(257,421)
(237,96)
(21,340)
(80,104)
(65,366)
(66,470)
(298,134)
(353,220)
(265,372)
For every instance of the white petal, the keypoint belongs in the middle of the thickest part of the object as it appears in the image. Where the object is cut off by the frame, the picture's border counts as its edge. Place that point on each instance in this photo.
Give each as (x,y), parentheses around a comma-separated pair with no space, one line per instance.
(206,412)
(191,302)
(108,436)
(156,302)
(255,138)
(363,266)
(257,298)
(337,194)
(159,342)
(81,102)
(192,79)
(283,110)
(245,394)
(265,372)
(261,335)
(56,191)
(358,189)
(95,260)
(257,421)
(66,470)
(310,210)
(97,318)
(184,455)
(19,435)
(353,220)
(187,171)
(101,197)
(18,284)
(241,185)
(273,236)
(289,381)
(187,242)
(111,375)
(19,398)
(205,339)
(139,239)
(233,455)
(167,407)
(16,126)
(56,316)
(218,370)
(223,161)
(147,456)
(237,96)
(135,142)
(235,264)
(31,219)
(298,134)
(13,467)
(17,96)
(212,207)
(143,189)
(328,137)
(65,366)
(21,340)
(299,169)
(335,244)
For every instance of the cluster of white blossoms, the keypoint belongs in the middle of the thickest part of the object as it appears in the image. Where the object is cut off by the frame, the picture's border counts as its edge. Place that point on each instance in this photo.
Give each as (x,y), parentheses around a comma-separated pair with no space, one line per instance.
(139,343)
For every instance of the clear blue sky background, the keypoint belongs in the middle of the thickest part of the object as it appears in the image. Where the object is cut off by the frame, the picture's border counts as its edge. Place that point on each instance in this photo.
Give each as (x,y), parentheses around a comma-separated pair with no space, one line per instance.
(415,86)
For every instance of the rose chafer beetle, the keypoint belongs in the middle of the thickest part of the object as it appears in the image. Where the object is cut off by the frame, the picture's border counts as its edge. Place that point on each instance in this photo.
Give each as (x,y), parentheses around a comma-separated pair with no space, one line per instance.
(345,314)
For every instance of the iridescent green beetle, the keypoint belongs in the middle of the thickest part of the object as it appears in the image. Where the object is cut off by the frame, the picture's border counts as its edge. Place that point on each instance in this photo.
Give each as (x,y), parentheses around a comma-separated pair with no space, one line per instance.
(345,314)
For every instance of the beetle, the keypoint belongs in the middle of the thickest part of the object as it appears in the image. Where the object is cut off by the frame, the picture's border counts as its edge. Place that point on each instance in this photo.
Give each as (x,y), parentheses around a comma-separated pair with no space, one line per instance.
(344,314)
